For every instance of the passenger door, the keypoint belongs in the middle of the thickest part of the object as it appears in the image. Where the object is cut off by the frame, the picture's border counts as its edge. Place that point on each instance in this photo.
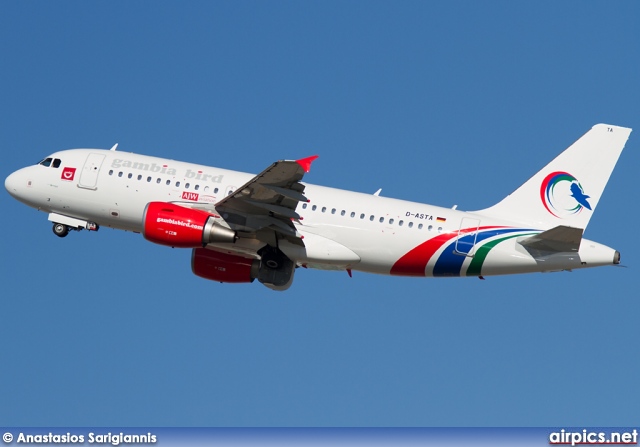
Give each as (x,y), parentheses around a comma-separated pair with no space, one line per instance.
(90,171)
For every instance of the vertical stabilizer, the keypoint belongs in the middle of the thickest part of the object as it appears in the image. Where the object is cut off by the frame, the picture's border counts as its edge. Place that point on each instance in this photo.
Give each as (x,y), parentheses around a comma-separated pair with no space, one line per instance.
(567,190)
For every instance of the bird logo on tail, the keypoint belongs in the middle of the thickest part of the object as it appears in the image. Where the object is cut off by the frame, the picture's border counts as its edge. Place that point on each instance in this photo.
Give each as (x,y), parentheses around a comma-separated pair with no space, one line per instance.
(579,195)
(562,195)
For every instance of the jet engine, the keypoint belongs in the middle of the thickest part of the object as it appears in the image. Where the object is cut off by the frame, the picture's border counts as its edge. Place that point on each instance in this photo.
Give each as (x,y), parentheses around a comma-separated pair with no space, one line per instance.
(177,226)
(223,267)
(274,270)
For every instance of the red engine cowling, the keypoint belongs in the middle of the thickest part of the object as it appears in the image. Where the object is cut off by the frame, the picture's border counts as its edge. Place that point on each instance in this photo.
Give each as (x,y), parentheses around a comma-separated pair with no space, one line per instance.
(174,225)
(223,267)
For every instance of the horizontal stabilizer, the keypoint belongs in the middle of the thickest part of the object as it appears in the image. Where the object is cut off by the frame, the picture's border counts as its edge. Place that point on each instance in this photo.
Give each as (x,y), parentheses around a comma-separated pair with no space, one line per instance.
(557,239)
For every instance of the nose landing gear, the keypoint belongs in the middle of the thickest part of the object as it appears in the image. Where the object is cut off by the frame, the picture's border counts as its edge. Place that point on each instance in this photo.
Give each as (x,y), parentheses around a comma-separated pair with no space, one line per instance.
(60,230)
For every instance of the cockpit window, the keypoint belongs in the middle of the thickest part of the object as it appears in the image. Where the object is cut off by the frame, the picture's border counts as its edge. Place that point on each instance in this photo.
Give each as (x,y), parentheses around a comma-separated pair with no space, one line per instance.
(55,162)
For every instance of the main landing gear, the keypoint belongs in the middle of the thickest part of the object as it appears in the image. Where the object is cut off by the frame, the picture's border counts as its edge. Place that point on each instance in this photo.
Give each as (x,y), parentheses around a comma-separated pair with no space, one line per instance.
(276,269)
(272,257)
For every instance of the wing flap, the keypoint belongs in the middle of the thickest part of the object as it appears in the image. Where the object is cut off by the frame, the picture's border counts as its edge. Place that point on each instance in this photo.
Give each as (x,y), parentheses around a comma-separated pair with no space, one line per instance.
(290,193)
(275,209)
(270,198)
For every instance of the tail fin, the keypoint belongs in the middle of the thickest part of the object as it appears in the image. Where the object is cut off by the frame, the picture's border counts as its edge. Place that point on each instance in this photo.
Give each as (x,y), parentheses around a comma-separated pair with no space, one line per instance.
(567,190)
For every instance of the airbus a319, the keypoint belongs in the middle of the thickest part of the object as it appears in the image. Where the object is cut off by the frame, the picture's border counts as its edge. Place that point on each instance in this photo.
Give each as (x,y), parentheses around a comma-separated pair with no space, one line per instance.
(241,227)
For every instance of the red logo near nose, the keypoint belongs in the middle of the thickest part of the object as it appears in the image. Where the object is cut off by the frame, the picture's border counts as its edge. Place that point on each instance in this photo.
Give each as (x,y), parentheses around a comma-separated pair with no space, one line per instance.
(190,195)
(68,174)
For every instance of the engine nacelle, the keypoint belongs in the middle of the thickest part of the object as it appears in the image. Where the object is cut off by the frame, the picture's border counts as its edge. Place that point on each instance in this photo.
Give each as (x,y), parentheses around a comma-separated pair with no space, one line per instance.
(177,226)
(223,267)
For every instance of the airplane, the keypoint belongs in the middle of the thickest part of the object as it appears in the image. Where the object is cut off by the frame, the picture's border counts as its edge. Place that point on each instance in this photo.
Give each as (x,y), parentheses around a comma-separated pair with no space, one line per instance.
(241,227)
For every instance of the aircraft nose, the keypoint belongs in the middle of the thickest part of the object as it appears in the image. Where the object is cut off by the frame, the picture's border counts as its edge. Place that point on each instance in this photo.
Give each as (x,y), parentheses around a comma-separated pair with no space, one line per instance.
(11,184)
(15,184)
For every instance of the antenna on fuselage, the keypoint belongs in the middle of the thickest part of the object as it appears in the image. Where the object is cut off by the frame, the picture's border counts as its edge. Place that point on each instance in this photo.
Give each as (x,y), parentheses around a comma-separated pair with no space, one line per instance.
(115,146)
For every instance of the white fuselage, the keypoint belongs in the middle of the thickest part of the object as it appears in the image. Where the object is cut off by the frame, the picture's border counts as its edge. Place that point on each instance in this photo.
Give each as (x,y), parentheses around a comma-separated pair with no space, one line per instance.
(341,229)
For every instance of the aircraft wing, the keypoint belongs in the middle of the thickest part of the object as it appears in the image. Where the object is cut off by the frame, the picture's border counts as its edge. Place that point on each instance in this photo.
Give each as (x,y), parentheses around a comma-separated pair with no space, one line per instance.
(269,200)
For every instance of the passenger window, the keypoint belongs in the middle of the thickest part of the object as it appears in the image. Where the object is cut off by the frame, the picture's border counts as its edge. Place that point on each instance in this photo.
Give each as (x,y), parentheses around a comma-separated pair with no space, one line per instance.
(159,180)
(439,229)
(382,220)
(149,179)
(197,187)
(110,171)
(342,213)
(333,211)
(362,216)
(186,186)
(430,227)
(177,184)
(314,207)
(206,188)
(168,182)
(401,223)
(324,209)
(410,224)
(390,221)
(215,191)
(304,206)
(56,163)
(371,218)
(353,214)
(120,174)
(419,226)
(130,175)
(139,177)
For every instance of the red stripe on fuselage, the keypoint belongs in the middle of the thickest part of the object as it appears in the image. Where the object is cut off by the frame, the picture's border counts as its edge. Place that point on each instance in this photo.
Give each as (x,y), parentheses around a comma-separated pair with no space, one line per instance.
(414,263)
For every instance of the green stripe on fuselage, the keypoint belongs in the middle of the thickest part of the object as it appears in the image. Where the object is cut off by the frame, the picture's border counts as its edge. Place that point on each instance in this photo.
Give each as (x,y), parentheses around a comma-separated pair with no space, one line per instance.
(475,267)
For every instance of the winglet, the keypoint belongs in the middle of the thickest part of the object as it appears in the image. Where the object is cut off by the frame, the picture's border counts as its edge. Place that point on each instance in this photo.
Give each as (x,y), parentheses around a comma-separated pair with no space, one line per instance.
(115,146)
(306,162)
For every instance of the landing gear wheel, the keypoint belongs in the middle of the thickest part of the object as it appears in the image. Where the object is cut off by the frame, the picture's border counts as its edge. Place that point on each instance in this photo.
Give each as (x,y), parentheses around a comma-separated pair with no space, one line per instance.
(272,258)
(60,230)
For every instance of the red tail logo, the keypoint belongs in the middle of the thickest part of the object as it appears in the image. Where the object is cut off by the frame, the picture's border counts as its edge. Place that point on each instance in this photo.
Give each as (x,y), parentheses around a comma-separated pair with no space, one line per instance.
(68,174)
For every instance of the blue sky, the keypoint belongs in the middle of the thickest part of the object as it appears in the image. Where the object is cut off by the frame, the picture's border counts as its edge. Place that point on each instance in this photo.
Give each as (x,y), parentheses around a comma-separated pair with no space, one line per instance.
(438,102)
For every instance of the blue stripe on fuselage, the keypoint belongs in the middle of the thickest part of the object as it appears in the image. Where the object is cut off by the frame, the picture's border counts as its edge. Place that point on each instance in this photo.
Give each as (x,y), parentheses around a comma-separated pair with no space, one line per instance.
(449,262)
